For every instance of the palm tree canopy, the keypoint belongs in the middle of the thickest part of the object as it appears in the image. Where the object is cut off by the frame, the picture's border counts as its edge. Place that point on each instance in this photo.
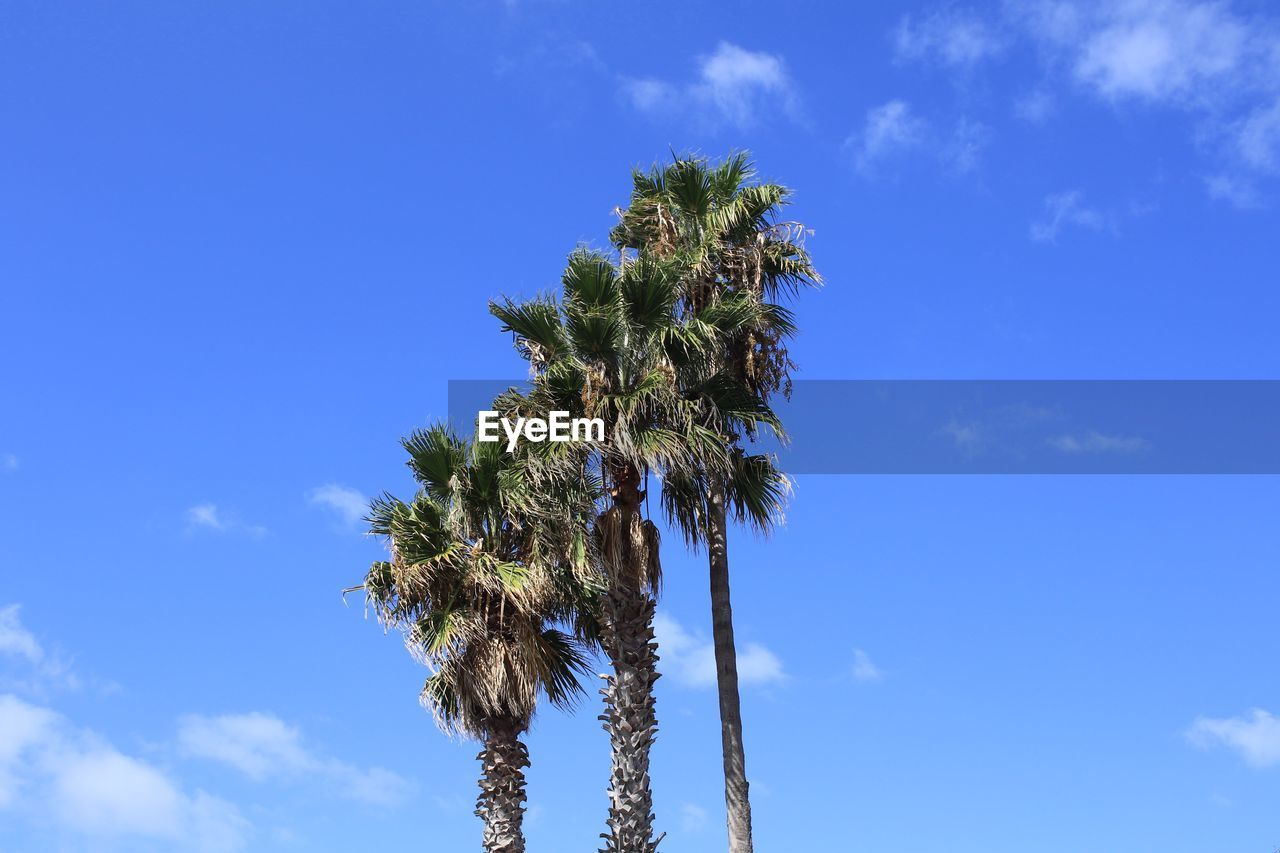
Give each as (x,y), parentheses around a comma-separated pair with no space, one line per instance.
(738,254)
(738,259)
(482,569)
(614,347)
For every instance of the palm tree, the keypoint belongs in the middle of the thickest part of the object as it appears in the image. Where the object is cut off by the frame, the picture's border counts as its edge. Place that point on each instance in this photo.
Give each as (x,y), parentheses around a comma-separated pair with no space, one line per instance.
(482,568)
(738,259)
(612,348)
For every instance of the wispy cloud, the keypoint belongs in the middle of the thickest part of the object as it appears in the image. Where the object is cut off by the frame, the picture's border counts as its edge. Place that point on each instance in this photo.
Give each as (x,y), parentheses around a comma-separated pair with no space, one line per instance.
(1035,107)
(733,86)
(263,746)
(691,660)
(693,818)
(1235,189)
(892,132)
(967,435)
(963,149)
(208,516)
(1205,59)
(40,669)
(8,462)
(59,774)
(950,36)
(864,669)
(347,503)
(1254,736)
(15,639)
(1063,210)
(1096,442)
(889,130)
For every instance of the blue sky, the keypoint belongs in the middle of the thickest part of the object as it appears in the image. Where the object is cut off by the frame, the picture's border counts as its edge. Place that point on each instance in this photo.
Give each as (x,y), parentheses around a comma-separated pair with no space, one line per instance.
(244,246)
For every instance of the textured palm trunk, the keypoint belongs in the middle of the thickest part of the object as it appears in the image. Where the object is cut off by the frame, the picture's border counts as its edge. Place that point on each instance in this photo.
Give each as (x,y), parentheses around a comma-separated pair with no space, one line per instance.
(502,788)
(736,797)
(629,553)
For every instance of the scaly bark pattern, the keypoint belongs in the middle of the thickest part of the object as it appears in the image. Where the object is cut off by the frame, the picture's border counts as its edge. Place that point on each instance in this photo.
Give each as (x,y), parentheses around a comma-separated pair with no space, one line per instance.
(502,789)
(630,719)
(629,552)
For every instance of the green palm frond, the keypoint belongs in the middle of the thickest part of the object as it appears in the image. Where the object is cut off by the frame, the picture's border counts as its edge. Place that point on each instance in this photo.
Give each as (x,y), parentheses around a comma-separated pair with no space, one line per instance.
(435,456)
(590,279)
(482,565)
(535,323)
(757,491)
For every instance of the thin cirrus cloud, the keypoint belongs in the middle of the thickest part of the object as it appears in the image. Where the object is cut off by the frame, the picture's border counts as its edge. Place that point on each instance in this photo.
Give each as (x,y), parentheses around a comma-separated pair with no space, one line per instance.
(348,504)
(691,660)
(693,818)
(41,668)
(864,669)
(211,517)
(733,86)
(1206,59)
(1097,442)
(262,747)
(8,462)
(893,132)
(55,773)
(954,37)
(1063,211)
(1255,736)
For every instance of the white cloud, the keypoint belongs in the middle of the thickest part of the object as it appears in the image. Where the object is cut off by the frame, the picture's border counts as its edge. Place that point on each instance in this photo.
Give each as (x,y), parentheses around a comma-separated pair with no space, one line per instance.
(964,150)
(1258,138)
(967,436)
(734,86)
(950,36)
(1255,736)
(1203,58)
(349,505)
(39,668)
(1161,50)
(1035,107)
(255,744)
(649,95)
(1063,210)
(207,516)
(693,818)
(15,639)
(758,665)
(52,771)
(1214,62)
(864,669)
(263,746)
(691,660)
(892,130)
(1096,442)
(889,129)
(8,462)
(1236,190)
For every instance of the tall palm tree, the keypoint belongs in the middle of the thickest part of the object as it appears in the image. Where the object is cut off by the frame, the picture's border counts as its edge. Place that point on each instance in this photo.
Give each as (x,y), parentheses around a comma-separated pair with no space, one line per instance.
(612,348)
(482,569)
(739,258)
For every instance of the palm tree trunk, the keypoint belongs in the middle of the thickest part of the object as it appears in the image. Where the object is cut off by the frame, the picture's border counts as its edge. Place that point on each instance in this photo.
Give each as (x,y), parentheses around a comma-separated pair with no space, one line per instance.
(502,788)
(736,798)
(629,552)
(630,719)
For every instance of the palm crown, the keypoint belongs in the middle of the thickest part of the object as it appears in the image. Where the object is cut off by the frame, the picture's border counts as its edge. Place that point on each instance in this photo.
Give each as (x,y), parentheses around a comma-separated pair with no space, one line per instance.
(479,575)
